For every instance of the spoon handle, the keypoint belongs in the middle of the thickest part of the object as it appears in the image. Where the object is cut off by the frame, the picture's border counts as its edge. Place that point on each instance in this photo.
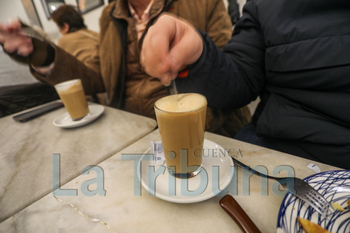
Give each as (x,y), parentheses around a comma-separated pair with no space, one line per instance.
(172,88)
(235,211)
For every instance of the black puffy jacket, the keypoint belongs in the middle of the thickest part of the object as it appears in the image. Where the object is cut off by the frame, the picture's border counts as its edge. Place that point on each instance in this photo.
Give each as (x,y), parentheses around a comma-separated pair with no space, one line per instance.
(295,55)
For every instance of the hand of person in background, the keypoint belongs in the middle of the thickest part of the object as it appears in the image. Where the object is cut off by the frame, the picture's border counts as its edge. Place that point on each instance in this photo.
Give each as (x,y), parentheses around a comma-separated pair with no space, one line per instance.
(25,49)
(169,46)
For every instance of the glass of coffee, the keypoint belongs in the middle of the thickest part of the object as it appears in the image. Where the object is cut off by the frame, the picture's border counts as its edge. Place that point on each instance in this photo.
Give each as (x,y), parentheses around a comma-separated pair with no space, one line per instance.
(73,97)
(181,123)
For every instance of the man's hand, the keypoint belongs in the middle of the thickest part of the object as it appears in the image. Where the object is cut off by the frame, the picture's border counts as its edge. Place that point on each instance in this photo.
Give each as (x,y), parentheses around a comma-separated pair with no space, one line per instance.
(25,49)
(13,41)
(169,46)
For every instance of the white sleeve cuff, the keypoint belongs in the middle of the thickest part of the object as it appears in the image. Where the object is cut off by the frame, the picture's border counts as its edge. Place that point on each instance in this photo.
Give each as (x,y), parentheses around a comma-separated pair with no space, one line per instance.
(45,70)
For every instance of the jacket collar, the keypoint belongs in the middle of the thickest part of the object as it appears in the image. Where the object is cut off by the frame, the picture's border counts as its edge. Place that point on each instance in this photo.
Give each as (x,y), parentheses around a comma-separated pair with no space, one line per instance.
(121,10)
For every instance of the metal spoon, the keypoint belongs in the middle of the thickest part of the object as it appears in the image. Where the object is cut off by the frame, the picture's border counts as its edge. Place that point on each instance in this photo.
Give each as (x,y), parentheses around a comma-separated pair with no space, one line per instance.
(172,88)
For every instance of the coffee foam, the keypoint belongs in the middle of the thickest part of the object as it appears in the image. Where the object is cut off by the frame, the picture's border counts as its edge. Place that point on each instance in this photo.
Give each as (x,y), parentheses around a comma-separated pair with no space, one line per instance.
(70,85)
(181,102)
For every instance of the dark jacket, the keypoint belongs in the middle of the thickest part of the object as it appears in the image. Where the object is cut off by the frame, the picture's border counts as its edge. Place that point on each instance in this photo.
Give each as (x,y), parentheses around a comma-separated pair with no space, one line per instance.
(295,55)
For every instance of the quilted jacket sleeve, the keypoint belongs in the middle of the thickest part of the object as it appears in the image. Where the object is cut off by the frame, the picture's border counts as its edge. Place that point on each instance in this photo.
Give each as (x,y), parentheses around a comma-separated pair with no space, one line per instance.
(235,76)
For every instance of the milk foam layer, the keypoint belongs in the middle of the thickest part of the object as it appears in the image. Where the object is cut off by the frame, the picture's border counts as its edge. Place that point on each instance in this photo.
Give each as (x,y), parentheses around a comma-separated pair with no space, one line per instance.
(181,102)
(68,86)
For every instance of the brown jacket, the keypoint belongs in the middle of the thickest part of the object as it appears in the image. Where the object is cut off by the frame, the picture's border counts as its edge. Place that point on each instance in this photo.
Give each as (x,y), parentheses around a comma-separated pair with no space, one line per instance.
(83,45)
(117,31)
(109,75)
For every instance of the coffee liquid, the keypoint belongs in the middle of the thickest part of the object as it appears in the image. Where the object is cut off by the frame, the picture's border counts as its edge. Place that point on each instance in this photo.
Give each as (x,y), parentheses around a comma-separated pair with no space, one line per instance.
(181,122)
(74,100)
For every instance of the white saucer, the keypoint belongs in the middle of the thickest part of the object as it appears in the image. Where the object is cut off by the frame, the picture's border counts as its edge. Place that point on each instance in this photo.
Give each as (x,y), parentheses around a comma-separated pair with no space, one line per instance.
(217,164)
(65,121)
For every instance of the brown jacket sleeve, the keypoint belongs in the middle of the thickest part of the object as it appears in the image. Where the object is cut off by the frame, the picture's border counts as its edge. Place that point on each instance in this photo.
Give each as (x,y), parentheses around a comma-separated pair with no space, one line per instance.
(219,25)
(84,45)
(67,67)
(209,16)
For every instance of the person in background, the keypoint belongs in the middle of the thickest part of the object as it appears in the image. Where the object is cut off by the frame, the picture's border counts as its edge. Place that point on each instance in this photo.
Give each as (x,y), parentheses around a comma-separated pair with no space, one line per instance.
(123,25)
(76,38)
(294,54)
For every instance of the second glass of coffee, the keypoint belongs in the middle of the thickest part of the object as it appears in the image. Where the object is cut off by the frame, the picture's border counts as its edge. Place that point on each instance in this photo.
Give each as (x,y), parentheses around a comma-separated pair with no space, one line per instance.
(73,97)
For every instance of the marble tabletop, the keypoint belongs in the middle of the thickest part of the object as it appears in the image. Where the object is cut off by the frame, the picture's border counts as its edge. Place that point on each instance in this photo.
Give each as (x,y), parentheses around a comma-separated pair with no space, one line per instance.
(119,207)
(27,152)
